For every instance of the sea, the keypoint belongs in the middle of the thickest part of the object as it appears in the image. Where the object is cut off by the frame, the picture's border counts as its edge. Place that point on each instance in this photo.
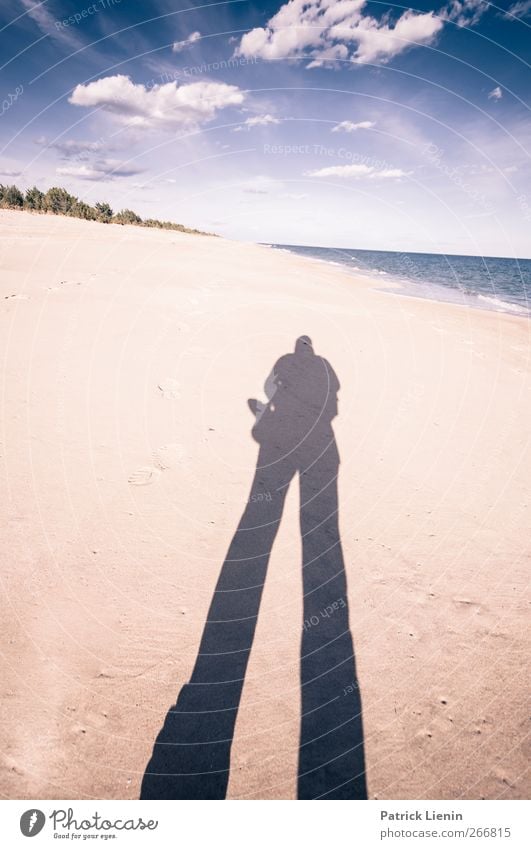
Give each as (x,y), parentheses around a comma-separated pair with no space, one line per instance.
(492,283)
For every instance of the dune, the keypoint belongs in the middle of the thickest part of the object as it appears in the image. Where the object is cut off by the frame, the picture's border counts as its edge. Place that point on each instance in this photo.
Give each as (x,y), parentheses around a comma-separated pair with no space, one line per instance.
(127,457)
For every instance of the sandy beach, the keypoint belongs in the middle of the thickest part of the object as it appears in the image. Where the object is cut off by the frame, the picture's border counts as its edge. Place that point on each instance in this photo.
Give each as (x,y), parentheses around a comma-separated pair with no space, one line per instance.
(126,456)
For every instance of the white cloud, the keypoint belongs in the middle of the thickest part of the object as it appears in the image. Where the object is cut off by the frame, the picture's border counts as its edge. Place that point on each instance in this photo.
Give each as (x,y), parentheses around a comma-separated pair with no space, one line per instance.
(329,30)
(257,121)
(81,172)
(9,173)
(163,107)
(466,13)
(521,9)
(350,127)
(102,169)
(496,93)
(191,39)
(261,120)
(328,56)
(358,172)
(49,24)
(379,43)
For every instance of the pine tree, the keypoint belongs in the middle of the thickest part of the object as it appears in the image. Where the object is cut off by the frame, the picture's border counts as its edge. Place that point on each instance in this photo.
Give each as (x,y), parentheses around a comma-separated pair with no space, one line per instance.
(104,212)
(127,216)
(58,201)
(80,209)
(34,199)
(12,197)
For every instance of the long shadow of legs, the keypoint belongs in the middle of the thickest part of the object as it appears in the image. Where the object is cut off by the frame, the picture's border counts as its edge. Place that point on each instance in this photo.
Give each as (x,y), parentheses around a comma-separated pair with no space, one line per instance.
(191,756)
(331,754)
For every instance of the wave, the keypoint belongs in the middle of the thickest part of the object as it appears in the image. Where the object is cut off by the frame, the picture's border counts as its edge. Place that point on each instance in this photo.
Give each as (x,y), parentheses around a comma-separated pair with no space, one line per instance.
(502,305)
(465,280)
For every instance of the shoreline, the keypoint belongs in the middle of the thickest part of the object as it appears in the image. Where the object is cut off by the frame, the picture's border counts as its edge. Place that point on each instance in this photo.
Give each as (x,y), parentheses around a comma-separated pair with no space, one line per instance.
(427,289)
(394,285)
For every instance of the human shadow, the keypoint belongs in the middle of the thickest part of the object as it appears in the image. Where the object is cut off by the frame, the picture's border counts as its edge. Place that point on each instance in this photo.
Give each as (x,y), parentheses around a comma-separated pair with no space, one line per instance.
(191,755)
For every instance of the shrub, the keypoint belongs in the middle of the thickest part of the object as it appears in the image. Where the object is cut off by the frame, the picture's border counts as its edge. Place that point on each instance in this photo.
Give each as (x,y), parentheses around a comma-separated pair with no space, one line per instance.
(12,197)
(83,210)
(104,212)
(127,216)
(34,199)
(58,201)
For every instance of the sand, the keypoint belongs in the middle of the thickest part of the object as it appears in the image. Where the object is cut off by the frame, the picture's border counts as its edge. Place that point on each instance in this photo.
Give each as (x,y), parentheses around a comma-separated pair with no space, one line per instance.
(126,458)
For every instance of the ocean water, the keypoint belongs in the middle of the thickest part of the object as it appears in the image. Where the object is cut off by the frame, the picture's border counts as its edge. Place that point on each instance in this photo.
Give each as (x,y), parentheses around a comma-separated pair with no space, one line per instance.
(494,283)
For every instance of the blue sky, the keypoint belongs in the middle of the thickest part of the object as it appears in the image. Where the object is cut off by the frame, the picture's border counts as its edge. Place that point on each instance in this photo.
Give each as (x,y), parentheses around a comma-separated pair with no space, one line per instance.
(342,123)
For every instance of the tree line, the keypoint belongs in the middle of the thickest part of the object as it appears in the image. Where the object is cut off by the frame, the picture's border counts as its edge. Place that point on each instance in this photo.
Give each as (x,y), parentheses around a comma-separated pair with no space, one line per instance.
(58,201)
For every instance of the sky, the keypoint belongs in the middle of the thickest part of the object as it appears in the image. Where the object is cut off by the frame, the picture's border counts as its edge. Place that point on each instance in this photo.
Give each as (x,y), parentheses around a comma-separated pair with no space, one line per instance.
(339,123)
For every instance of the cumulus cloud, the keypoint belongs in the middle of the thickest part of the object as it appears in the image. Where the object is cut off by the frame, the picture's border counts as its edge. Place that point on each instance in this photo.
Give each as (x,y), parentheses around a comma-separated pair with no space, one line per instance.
(496,93)
(102,169)
(165,106)
(351,127)
(357,172)
(380,42)
(182,45)
(328,56)
(330,30)
(8,173)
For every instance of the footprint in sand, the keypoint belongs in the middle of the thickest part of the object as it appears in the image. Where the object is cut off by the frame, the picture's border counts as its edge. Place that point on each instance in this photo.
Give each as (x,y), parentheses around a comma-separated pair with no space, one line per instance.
(468,604)
(169,388)
(16,297)
(168,456)
(61,283)
(144,476)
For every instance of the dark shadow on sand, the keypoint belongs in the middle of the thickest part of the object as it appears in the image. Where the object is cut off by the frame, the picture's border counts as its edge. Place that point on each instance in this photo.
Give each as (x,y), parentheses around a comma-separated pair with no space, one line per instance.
(191,755)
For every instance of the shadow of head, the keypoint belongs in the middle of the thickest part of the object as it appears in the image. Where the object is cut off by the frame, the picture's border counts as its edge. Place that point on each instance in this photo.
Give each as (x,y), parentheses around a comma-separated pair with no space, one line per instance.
(301,398)
(304,346)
